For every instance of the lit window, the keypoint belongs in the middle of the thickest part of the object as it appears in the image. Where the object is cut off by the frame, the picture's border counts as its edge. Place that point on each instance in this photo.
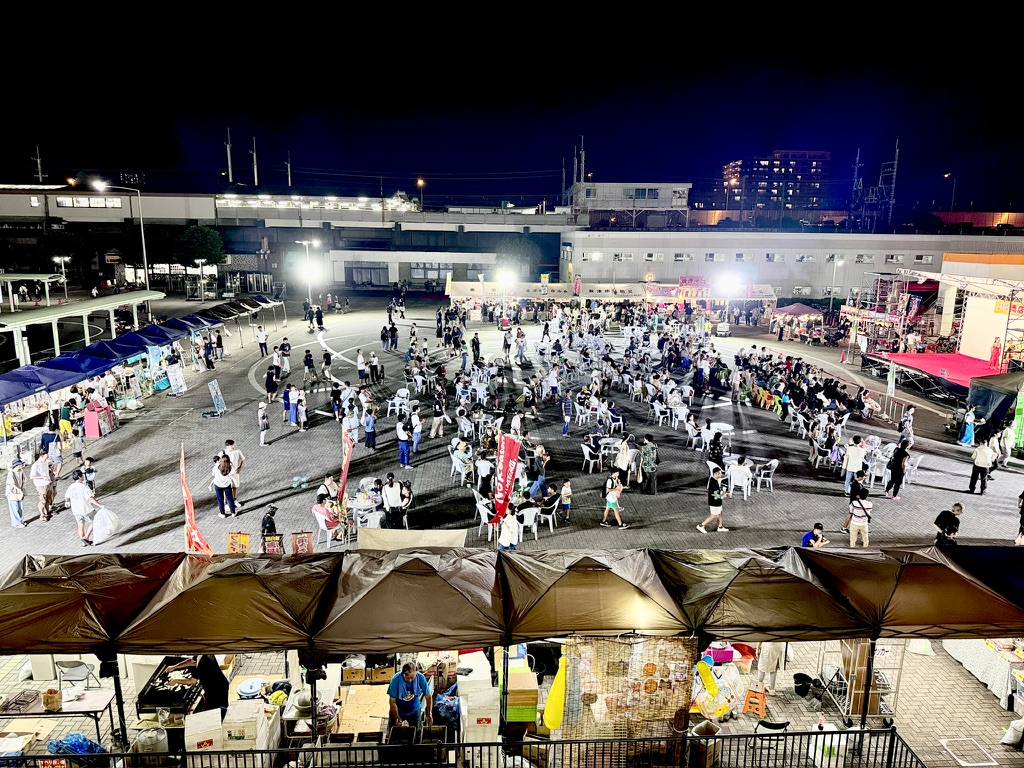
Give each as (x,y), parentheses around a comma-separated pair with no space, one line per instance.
(864,258)
(34,201)
(622,257)
(894,258)
(740,257)
(593,256)
(832,258)
(654,257)
(801,290)
(804,258)
(774,258)
(682,257)
(714,257)
(923,258)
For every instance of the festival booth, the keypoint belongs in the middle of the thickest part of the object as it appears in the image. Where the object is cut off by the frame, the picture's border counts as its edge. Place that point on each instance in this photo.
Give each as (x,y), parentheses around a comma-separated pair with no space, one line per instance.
(999,399)
(799,322)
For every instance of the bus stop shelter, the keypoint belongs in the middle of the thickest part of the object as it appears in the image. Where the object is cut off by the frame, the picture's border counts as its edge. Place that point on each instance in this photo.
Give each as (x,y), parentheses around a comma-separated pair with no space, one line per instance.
(15,323)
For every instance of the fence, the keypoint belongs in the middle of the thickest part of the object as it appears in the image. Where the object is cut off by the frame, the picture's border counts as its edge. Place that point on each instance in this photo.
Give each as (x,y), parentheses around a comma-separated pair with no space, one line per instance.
(767,749)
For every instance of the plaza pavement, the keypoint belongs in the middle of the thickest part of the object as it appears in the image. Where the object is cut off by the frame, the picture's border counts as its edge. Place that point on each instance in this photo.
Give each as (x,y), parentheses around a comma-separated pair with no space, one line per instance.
(138,478)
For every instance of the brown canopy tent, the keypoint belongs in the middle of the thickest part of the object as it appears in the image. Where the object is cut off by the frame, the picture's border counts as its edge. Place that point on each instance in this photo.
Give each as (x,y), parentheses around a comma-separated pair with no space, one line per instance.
(414,600)
(797,310)
(233,602)
(592,593)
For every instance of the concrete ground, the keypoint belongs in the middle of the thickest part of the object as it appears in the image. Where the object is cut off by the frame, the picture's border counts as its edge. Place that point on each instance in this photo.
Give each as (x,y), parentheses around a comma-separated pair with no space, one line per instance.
(137,478)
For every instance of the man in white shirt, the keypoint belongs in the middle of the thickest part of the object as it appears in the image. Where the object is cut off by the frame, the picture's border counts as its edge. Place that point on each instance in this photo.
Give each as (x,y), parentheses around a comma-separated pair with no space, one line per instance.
(391,495)
(983,458)
(261,339)
(42,481)
(80,499)
(237,461)
(361,365)
(853,460)
(417,429)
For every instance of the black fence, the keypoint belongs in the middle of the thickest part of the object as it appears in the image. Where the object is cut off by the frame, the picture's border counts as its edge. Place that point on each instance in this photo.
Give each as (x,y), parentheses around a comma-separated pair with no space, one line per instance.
(767,749)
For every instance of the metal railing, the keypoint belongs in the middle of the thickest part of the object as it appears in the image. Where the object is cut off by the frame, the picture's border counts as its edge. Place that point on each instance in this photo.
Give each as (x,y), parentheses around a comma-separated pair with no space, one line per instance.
(766,749)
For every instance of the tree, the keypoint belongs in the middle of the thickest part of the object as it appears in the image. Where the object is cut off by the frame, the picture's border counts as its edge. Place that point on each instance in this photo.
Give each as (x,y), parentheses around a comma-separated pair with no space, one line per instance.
(199,242)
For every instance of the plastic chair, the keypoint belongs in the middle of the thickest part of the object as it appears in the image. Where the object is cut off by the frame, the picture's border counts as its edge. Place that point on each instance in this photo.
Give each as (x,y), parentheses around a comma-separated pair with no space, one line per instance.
(530,517)
(733,479)
(912,467)
(766,475)
(322,531)
(549,514)
(75,671)
(590,459)
(659,414)
(483,509)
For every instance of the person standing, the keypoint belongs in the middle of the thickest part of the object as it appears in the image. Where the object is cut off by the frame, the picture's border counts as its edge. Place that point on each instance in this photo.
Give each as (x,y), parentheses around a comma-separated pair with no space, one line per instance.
(967,438)
(370,427)
(853,460)
(220,346)
(417,428)
(996,354)
(325,365)
(403,443)
(947,525)
(42,481)
(438,418)
(860,516)
(237,462)
(855,485)
(982,459)
(393,337)
(1007,441)
(648,461)
(897,470)
(261,339)
(716,493)
(300,410)
(223,484)
(385,342)
(475,344)
(285,348)
(209,675)
(82,503)
(263,422)
(391,496)
(275,363)
(405,691)
(361,366)
(15,493)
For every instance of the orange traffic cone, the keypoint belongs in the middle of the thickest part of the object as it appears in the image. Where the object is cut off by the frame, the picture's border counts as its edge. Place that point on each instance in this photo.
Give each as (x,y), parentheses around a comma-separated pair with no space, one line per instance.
(842,357)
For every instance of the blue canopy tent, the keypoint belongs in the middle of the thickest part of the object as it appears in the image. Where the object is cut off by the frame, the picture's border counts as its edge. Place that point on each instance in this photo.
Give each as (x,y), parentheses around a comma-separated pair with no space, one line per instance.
(158,336)
(202,322)
(80,363)
(128,345)
(19,383)
(104,350)
(183,324)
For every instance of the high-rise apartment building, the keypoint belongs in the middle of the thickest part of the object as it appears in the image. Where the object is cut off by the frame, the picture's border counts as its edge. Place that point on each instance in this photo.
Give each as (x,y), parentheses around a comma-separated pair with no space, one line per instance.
(773,186)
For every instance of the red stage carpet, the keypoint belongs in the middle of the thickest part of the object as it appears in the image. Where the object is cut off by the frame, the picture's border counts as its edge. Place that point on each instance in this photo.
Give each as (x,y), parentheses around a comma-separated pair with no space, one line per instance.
(959,369)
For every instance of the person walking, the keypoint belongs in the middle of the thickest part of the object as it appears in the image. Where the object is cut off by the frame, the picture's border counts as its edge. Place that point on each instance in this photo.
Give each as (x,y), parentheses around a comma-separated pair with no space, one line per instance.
(967,438)
(15,493)
(716,494)
(263,422)
(385,342)
(261,339)
(309,369)
(370,427)
(853,460)
(565,405)
(438,418)
(83,505)
(237,462)
(612,496)
(982,459)
(897,470)
(647,463)
(219,344)
(325,365)
(285,348)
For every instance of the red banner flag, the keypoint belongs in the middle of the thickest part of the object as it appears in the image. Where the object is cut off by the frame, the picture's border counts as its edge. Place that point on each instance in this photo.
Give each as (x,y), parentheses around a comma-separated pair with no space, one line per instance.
(504,475)
(195,542)
(347,445)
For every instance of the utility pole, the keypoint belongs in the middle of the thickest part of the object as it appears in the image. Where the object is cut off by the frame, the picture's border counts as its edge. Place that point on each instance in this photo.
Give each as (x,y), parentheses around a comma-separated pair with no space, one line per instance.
(288,165)
(39,165)
(255,169)
(227,144)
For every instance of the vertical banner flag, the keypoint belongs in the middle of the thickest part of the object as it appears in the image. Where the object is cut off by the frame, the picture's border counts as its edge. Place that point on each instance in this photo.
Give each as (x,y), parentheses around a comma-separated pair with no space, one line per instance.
(346,458)
(505,475)
(194,540)
(577,285)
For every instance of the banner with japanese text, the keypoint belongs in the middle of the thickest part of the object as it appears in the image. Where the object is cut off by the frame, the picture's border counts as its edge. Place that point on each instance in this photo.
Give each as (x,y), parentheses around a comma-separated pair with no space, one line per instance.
(347,445)
(505,474)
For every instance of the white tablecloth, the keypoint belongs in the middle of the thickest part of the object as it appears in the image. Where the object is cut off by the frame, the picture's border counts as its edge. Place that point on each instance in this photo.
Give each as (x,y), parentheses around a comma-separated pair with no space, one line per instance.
(985,664)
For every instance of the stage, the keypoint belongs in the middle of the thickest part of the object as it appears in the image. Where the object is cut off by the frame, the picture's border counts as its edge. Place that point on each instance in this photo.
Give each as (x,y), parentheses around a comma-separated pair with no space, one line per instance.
(941,376)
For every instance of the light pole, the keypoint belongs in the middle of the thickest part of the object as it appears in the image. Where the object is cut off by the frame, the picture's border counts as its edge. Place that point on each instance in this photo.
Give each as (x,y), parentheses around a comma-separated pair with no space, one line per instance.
(421,184)
(63,274)
(952,197)
(309,270)
(836,263)
(202,280)
(102,186)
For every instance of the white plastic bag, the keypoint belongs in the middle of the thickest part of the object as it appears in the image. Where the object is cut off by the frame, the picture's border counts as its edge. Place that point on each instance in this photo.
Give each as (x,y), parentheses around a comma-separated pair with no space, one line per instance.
(104,525)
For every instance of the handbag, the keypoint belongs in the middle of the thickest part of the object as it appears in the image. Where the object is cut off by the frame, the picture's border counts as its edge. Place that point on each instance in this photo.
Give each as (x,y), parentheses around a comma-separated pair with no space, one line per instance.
(16,493)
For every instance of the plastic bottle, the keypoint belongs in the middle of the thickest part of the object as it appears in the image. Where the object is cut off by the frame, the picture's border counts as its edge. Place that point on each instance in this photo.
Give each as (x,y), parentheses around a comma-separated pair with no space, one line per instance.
(821,721)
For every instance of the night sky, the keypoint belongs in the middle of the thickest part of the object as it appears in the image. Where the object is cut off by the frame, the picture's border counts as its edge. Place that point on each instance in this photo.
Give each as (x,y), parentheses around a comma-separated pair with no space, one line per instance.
(482,130)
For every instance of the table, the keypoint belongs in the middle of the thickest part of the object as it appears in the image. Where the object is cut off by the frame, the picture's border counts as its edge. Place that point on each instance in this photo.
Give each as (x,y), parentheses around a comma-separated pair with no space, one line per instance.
(719,426)
(92,705)
(987,663)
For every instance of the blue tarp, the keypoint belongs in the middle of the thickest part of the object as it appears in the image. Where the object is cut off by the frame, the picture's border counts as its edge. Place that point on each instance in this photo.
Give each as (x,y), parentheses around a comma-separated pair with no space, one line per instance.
(202,322)
(104,350)
(158,336)
(82,363)
(129,344)
(19,383)
(181,324)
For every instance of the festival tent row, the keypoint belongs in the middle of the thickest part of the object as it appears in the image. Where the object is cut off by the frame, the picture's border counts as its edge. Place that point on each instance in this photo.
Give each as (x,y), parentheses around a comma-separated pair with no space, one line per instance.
(412,600)
(99,357)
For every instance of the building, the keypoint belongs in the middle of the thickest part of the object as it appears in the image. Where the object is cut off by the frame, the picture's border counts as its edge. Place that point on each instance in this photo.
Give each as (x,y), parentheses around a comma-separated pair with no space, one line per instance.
(779,185)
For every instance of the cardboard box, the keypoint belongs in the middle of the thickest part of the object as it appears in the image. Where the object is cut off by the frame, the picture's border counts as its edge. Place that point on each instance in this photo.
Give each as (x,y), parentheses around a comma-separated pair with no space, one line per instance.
(203,731)
(353,675)
(381,674)
(137,759)
(21,735)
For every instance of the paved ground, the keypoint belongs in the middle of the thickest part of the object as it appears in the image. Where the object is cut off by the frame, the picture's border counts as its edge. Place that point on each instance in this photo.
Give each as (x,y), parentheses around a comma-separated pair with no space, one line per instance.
(138,478)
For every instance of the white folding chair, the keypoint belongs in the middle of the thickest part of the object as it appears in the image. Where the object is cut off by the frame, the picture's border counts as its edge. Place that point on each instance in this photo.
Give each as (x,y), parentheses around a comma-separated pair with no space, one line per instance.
(483,509)
(529,521)
(912,467)
(590,459)
(766,475)
(323,531)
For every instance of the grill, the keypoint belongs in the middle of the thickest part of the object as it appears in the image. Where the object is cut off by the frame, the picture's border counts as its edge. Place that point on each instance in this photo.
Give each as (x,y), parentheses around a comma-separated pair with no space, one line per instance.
(23,702)
(154,696)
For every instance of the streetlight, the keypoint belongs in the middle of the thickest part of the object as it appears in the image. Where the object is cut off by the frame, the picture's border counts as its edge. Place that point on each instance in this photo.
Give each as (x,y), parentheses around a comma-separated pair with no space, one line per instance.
(309,270)
(103,186)
(836,263)
(421,184)
(202,280)
(62,260)
(952,197)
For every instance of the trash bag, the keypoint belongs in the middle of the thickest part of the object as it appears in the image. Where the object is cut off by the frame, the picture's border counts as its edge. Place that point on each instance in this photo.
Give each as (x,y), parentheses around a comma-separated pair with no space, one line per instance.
(447,706)
(74,744)
(1013,733)
(104,525)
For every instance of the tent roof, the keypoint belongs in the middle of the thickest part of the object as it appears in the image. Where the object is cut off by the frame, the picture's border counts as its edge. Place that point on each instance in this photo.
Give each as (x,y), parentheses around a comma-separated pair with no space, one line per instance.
(1008,383)
(797,310)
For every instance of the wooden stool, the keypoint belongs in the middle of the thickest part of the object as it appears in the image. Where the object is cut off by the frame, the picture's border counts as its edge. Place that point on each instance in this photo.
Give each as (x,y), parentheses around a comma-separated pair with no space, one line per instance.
(756,700)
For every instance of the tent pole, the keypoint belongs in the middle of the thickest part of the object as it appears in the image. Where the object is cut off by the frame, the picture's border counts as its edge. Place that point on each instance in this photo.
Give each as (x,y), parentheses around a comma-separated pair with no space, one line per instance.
(119,697)
(870,673)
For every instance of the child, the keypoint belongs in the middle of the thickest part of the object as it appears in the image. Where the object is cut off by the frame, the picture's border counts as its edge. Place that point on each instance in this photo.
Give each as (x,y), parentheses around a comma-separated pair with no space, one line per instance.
(90,473)
(263,420)
(77,447)
(300,413)
(566,499)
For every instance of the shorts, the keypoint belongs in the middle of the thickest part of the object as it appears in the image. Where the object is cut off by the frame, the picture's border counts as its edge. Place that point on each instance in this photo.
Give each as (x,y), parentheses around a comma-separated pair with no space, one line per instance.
(716,511)
(565,507)
(84,517)
(77,454)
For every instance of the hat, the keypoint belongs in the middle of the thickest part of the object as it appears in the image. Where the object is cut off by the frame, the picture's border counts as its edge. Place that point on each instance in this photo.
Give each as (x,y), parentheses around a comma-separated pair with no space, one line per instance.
(17,463)
(262,406)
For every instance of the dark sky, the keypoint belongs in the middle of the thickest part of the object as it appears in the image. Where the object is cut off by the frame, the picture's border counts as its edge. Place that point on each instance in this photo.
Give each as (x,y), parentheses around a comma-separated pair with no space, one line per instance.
(483,130)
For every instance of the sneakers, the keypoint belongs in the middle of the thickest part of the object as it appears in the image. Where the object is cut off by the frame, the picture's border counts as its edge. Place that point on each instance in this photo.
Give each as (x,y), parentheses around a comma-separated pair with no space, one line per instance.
(221,515)
(895,498)
(722,530)
(844,530)
(702,529)
(624,526)
(605,524)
